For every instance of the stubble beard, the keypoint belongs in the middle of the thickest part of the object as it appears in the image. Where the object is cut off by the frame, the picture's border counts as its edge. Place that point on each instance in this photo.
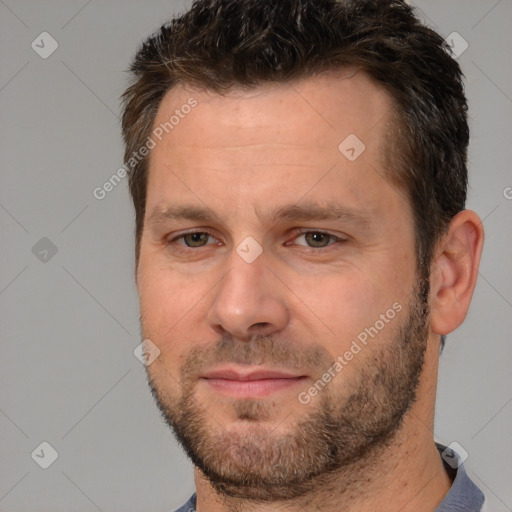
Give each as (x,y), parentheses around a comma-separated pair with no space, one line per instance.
(261,463)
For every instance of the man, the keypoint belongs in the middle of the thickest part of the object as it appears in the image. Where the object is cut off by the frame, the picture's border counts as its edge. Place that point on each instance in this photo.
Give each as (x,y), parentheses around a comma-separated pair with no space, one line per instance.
(298,170)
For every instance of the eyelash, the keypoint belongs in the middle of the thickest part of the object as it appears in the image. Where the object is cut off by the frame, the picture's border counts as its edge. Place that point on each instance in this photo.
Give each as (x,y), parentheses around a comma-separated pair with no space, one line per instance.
(297,234)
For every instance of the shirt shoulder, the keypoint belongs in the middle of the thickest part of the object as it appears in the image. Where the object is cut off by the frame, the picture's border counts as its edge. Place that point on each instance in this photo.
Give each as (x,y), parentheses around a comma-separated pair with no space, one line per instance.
(190,506)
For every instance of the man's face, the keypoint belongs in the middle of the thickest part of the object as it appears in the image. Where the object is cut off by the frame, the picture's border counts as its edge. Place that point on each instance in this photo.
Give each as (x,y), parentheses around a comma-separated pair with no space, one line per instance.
(273,283)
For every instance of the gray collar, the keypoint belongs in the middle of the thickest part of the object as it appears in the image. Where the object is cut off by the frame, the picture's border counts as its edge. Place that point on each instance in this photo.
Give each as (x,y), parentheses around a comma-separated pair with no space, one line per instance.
(464,495)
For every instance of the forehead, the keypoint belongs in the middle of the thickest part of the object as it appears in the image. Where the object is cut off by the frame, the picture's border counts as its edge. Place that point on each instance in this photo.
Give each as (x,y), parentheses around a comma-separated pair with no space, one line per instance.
(290,133)
(311,112)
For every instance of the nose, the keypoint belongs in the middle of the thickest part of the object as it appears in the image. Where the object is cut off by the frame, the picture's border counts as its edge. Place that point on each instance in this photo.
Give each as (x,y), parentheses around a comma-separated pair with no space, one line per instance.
(249,300)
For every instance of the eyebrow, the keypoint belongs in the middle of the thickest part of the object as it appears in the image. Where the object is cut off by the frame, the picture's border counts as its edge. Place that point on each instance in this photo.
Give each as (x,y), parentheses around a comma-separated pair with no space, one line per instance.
(326,211)
(160,215)
(292,212)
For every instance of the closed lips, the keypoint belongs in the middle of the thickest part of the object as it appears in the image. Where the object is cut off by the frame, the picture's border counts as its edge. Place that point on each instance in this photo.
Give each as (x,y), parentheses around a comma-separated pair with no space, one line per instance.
(256,375)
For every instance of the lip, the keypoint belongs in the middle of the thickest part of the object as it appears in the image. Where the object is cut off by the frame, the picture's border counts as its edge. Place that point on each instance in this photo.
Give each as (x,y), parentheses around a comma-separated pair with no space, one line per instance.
(231,374)
(250,383)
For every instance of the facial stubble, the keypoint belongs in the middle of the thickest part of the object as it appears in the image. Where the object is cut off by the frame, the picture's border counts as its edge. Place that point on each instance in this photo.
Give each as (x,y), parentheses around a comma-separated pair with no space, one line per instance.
(260,461)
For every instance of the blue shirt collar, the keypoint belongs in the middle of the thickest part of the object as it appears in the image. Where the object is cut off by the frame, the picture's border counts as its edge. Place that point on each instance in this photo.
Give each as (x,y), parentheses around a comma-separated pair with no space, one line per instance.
(463,495)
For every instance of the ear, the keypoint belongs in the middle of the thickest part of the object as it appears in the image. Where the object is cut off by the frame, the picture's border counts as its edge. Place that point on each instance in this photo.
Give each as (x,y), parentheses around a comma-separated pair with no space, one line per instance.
(454,272)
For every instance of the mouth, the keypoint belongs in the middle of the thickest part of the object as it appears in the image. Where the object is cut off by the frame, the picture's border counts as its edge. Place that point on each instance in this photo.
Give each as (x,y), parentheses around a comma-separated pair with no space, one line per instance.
(251,383)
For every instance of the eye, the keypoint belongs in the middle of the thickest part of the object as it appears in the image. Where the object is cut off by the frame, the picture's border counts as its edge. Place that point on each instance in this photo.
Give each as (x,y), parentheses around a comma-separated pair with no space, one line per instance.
(317,239)
(194,239)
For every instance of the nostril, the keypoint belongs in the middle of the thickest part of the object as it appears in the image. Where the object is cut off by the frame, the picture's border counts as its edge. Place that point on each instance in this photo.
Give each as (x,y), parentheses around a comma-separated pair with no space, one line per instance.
(260,324)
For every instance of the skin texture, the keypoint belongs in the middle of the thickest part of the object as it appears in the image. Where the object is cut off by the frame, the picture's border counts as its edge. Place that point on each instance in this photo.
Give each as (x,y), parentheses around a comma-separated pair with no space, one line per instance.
(295,307)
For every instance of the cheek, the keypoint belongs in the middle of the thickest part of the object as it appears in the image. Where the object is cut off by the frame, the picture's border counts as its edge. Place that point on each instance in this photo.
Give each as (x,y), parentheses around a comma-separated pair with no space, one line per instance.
(349,306)
(169,307)
(341,308)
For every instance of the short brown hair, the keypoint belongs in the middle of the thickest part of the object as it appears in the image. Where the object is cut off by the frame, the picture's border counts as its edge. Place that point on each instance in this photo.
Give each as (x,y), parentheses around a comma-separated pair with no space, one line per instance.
(220,45)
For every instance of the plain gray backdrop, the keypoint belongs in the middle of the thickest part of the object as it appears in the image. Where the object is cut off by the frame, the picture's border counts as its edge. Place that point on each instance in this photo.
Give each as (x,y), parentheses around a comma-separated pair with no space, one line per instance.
(69,306)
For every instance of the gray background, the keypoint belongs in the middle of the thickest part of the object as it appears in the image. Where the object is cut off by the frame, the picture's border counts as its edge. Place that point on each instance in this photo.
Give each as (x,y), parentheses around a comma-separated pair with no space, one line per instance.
(70,322)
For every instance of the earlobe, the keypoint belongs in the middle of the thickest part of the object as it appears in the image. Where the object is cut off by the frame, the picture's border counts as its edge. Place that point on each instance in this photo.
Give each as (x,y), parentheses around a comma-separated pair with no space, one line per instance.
(454,272)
